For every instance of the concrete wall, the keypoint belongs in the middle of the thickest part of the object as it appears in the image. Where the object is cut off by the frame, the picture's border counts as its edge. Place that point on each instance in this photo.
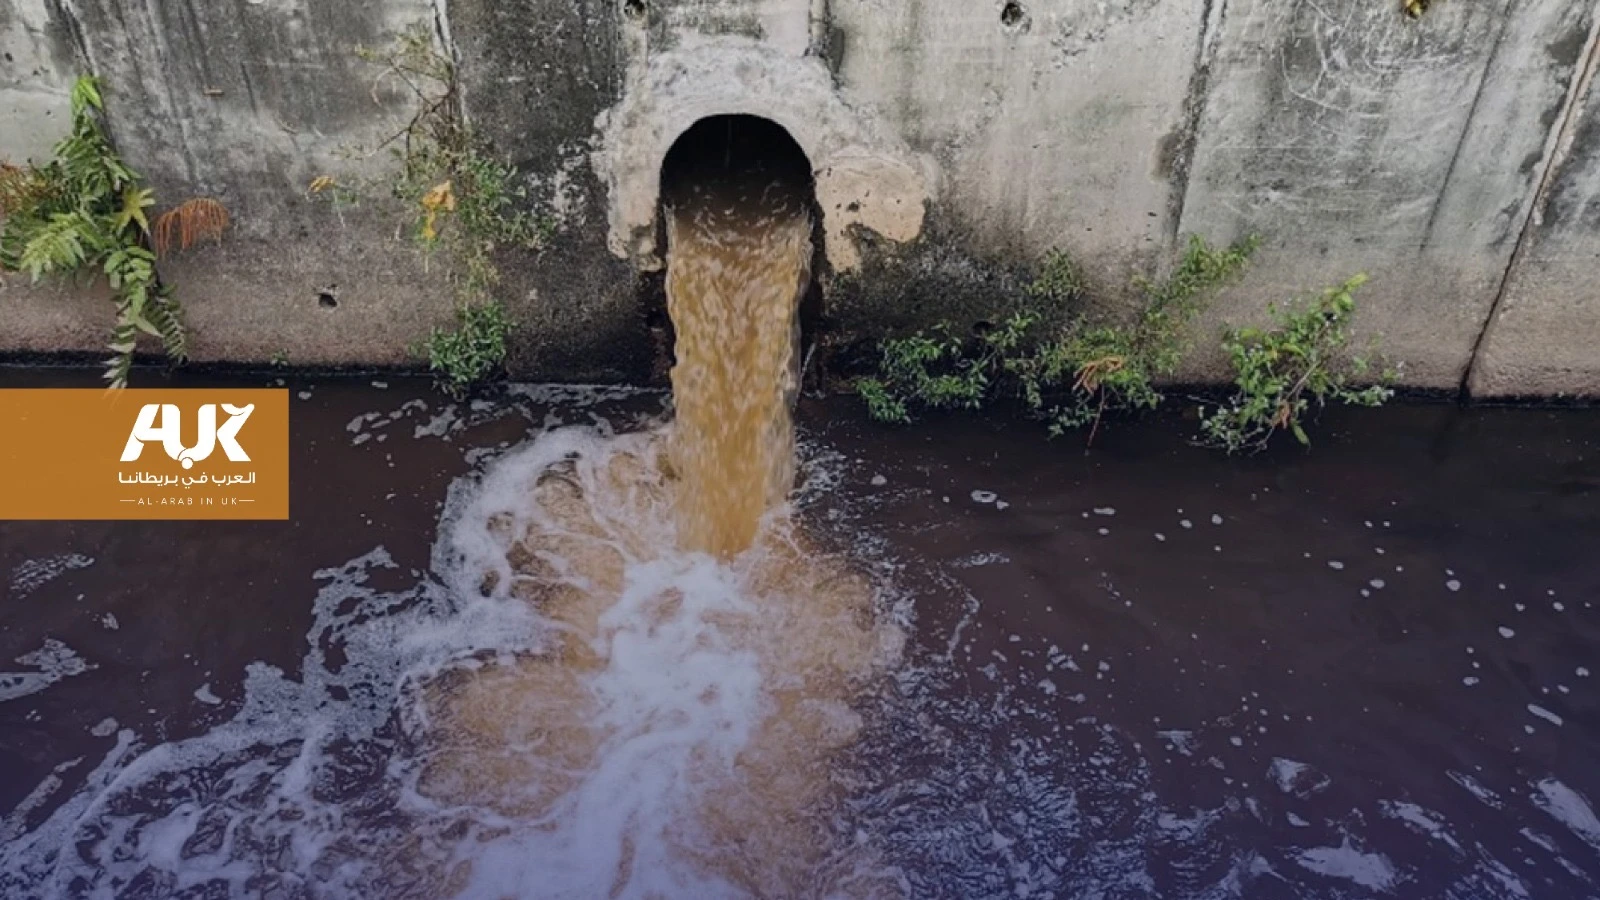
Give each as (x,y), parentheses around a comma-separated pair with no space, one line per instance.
(1454,158)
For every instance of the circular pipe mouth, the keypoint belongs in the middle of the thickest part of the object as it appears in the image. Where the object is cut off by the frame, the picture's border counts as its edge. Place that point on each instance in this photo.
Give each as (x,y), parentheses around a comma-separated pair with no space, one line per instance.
(729,148)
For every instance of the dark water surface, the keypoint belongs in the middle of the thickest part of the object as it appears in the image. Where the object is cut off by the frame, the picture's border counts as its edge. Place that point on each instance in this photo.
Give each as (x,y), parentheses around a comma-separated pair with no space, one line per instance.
(1146,671)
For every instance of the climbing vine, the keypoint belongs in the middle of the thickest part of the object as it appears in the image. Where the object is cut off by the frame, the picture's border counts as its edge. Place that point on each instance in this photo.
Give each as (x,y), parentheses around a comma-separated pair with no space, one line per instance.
(86,210)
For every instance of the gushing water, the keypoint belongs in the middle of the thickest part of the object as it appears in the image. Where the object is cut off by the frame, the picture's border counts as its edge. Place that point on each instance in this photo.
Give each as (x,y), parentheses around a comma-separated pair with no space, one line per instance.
(675,737)
(740,259)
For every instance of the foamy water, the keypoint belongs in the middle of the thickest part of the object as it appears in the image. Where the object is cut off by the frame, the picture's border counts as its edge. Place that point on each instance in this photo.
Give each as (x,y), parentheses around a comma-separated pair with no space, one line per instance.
(408,754)
(569,706)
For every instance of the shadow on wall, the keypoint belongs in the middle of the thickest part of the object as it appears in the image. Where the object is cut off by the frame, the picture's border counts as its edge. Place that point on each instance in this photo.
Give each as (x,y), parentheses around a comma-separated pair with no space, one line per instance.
(728,150)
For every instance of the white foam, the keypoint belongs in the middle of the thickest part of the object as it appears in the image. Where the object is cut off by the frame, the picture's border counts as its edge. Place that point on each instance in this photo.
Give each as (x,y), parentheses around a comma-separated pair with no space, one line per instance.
(1372,871)
(49,664)
(1568,807)
(32,574)
(1425,820)
(1295,777)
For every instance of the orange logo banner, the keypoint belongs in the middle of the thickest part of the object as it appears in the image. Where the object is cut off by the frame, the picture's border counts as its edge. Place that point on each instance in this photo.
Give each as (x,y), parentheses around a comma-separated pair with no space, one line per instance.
(144,454)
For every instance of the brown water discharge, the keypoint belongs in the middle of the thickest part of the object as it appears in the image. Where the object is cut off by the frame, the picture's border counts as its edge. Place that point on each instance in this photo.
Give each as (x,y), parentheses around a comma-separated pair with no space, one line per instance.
(676,738)
(740,258)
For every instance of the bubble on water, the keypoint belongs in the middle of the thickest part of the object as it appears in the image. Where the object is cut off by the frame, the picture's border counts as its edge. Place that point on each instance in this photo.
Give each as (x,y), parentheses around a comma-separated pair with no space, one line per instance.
(976,560)
(879,481)
(1453,584)
(1105,511)
(1507,632)
(1545,714)
(1470,680)
(1335,564)
(984,496)
(1216,519)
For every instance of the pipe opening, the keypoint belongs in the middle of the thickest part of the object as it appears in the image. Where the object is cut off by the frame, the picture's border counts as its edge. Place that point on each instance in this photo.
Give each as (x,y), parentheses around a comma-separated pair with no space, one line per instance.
(729,156)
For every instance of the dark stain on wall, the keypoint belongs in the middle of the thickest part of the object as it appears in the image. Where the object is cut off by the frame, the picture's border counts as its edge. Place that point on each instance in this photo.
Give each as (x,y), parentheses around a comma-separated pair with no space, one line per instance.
(901,288)
(534,76)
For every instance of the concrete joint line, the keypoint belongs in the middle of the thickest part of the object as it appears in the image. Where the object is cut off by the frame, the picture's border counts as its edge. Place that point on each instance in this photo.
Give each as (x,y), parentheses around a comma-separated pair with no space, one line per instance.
(1194,110)
(1557,146)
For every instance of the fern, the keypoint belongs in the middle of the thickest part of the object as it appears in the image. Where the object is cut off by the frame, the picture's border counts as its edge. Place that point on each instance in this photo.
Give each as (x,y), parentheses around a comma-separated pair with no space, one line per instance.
(86,209)
(57,246)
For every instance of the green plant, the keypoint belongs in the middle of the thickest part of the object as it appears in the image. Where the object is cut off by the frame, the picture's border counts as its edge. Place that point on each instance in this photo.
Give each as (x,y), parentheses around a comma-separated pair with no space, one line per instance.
(939,370)
(462,200)
(1073,379)
(86,209)
(280,359)
(1070,378)
(1281,372)
(473,350)
(1060,281)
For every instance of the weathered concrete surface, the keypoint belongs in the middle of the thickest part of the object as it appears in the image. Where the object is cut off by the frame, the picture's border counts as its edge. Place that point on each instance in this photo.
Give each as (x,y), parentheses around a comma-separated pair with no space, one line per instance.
(1060,130)
(53,315)
(36,71)
(1544,339)
(248,103)
(865,178)
(1355,139)
(953,142)
(535,74)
